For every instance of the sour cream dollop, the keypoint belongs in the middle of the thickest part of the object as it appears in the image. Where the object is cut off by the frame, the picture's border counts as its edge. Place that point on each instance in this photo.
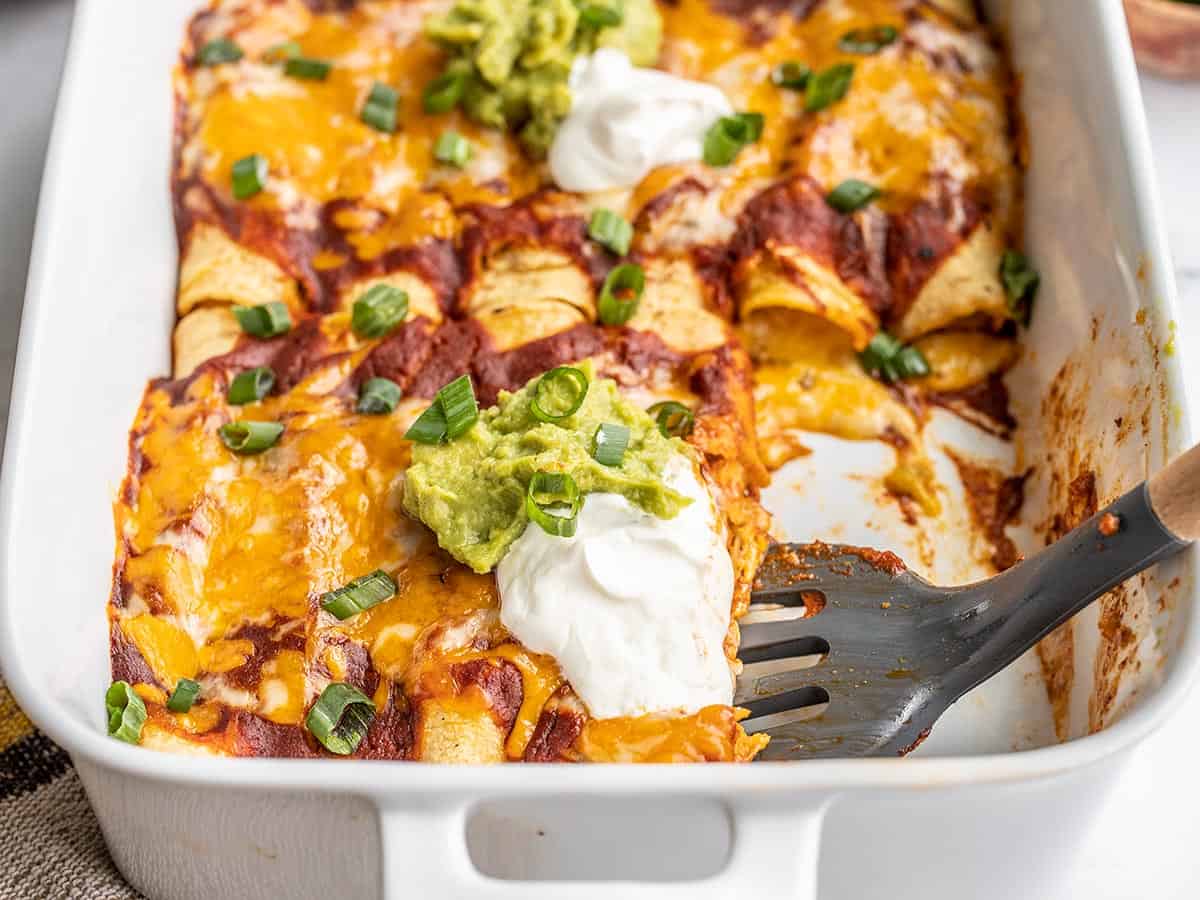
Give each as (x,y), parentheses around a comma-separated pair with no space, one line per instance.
(634,608)
(626,120)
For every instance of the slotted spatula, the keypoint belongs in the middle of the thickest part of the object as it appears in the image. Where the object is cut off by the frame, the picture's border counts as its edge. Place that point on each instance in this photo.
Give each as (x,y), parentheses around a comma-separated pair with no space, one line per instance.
(847,653)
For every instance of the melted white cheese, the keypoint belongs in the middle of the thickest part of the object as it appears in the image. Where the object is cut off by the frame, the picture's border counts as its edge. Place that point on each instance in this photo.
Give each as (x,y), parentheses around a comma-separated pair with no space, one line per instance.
(634,608)
(626,120)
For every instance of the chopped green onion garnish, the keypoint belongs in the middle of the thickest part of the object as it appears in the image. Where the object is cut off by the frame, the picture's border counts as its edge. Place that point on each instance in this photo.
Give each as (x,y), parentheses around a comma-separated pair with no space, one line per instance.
(609,444)
(621,293)
(852,195)
(553,491)
(184,695)
(1021,282)
(248,437)
(281,52)
(250,386)
(728,135)
(126,712)
(910,363)
(887,358)
(444,92)
(792,75)
(674,419)
(378,396)
(721,146)
(264,321)
(379,310)
(559,394)
(361,593)
(452,413)
(459,406)
(611,230)
(453,149)
(307,68)
(598,16)
(220,50)
(828,87)
(866,41)
(380,109)
(340,718)
(877,355)
(249,175)
(429,427)
(751,125)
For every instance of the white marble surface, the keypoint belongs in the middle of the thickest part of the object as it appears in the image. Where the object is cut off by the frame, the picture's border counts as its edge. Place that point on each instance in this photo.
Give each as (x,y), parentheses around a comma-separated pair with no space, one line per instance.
(1145,845)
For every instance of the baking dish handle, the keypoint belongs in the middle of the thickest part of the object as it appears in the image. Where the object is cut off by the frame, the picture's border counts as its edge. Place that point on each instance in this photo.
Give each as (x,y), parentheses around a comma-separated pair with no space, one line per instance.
(775,845)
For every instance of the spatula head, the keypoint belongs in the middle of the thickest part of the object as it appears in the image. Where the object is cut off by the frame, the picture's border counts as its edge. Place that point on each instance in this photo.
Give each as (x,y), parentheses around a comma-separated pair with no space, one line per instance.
(843,653)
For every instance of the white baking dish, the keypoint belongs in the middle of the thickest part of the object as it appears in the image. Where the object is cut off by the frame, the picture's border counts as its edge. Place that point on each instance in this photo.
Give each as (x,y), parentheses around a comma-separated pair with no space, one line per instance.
(967,816)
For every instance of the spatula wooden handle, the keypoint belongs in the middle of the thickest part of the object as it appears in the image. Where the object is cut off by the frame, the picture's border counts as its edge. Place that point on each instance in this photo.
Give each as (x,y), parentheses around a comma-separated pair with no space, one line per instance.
(1175,495)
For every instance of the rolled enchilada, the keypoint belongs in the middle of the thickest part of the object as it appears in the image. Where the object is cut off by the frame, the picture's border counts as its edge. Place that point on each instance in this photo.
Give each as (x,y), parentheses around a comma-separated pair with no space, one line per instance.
(306,205)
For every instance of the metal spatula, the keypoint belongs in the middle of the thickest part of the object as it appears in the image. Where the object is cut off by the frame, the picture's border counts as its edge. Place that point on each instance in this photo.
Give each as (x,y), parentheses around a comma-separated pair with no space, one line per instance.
(847,653)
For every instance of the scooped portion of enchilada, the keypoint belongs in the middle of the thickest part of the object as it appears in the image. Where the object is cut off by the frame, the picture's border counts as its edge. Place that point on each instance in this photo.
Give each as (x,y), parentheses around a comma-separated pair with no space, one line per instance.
(485,311)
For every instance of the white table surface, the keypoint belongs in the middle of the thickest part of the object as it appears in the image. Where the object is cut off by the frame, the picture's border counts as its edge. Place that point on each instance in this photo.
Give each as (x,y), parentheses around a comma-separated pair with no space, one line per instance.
(1147,844)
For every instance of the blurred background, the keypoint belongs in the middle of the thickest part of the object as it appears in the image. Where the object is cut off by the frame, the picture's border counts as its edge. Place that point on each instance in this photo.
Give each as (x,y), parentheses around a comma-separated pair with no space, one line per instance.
(1144,846)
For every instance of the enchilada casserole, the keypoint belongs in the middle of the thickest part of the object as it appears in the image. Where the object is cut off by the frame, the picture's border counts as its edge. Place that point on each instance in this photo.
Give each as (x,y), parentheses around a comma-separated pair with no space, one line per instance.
(493,319)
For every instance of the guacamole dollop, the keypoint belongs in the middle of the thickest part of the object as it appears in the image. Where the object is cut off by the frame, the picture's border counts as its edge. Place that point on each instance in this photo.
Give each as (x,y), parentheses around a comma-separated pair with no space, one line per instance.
(471,490)
(515,55)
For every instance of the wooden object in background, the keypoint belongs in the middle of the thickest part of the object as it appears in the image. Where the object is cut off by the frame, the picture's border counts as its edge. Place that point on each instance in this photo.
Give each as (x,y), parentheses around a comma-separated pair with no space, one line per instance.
(1166,36)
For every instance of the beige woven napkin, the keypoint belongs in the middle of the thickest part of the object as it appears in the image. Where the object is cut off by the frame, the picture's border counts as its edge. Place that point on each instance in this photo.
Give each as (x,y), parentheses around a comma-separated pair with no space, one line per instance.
(50,844)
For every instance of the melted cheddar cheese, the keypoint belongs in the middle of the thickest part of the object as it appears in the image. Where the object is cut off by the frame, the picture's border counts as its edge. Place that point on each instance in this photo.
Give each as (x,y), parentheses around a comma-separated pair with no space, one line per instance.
(222,560)
(317,147)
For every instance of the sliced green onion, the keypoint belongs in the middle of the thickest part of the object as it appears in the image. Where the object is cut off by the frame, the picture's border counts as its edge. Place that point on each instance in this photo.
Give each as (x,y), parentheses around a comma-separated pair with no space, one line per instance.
(453,149)
(609,443)
(728,135)
(559,394)
(792,75)
(877,356)
(340,718)
(184,695)
(459,406)
(126,712)
(598,16)
(1021,282)
(552,502)
(380,309)
(444,92)
(621,293)
(380,109)
(361,593)
(382,95)
(828,87)
(277,53)
(674,419)
(910,363)
(851,195)
(378,397)
(610,230)
(250,386)
(249,175)
(248,437)
(751,125)
(266,320)
(307,68)
(429,427)
(887,358)
(451,414)
(866,41)
(721,147)
(217,51)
